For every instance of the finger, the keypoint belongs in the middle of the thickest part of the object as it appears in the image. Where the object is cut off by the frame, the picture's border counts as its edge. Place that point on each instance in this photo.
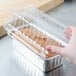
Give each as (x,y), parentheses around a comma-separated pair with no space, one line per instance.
(68,32)
(56,50)
(70,29)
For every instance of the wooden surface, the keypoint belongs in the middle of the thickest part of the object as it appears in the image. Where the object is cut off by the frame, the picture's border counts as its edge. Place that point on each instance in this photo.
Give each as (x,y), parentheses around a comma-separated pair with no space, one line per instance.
(7,5)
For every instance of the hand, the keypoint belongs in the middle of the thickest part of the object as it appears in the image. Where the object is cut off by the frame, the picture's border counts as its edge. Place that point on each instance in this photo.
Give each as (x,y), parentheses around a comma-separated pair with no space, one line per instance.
(69,52)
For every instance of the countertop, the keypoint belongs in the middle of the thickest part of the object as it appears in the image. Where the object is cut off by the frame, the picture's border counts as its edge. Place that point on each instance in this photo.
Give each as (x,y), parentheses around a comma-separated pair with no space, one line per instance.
(65,13)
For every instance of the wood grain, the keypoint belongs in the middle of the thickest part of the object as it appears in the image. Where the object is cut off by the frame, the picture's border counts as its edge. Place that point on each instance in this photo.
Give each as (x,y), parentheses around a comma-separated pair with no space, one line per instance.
(7,5)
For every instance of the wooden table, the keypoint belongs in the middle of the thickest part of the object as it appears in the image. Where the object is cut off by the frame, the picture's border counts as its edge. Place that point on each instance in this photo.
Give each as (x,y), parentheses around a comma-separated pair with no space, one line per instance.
(7,5)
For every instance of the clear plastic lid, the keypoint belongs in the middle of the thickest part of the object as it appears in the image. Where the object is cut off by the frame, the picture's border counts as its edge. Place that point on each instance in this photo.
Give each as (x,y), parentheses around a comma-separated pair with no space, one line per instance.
(44,22)
(38,19)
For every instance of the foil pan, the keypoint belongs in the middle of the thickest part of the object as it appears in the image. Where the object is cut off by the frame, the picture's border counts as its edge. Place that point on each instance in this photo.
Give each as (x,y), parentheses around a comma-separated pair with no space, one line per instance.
(43,64)
(34,18)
